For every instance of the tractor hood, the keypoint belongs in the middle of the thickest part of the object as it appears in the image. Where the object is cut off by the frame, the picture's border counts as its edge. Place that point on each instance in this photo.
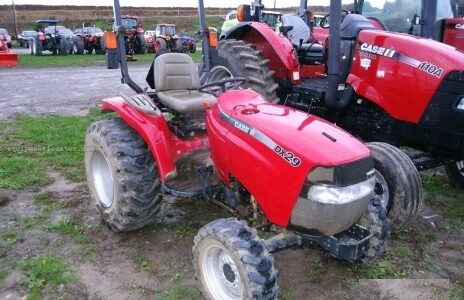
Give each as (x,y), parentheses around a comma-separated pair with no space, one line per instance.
(283,129)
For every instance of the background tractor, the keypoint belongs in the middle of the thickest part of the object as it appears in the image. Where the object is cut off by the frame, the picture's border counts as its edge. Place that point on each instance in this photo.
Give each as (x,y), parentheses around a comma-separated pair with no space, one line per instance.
(376,84)
(133,35)
(93,39)
(7,59)
(166,39)
(54,38)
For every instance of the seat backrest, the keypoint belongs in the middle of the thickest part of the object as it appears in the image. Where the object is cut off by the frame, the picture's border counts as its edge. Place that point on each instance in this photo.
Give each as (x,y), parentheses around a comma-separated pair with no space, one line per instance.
(300,29)
(352,24)
(175,71)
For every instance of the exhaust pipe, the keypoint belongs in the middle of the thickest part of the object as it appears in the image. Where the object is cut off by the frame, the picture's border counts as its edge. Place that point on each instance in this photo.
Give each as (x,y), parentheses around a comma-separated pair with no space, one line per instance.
(333,76)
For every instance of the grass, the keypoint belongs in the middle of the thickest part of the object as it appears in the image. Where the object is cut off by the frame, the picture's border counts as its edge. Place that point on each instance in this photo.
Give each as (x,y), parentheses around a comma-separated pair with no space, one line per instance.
(381,269)
(316,268)
(17,172)
(46,60)
(43,270)
(180,292)
(453,207)
(457,292)
(141,263)
(30,145)
(3,272)
(11,236)
(70,228)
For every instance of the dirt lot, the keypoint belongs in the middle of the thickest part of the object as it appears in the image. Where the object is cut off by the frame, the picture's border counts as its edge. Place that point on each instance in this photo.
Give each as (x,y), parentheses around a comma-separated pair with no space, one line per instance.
(54,246)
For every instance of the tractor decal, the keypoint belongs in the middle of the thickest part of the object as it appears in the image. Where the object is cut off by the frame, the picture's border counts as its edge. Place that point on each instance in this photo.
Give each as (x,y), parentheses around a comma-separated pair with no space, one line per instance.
(377,50)
(431,69)
(289,157)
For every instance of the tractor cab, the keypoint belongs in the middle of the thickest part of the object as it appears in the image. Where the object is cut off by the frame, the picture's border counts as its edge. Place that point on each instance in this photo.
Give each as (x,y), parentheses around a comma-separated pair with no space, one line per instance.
(165,30)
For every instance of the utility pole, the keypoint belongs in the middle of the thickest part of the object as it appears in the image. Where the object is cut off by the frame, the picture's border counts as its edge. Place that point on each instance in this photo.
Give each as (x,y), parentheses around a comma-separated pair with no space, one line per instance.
(275,4)
(14,19)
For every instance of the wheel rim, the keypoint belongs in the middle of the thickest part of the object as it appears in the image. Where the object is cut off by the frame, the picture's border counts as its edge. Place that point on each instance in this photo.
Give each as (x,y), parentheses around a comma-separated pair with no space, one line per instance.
(75,48)
(220,273)
(102,178)
(218,73)
(460,167)
(381,191)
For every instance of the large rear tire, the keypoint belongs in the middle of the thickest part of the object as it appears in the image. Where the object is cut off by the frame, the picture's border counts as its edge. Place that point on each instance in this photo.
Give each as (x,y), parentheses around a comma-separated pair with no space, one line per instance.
(36,48)
(238,59)
(232,262)
(101,46)
(122,176)
(141,46)
(65,46)
(398,184)
(160,44)
(78,46)
(455,172)
(179,46)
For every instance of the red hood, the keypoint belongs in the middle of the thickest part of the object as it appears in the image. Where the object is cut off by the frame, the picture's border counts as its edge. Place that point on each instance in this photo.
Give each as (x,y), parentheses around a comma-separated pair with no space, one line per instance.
(305,135)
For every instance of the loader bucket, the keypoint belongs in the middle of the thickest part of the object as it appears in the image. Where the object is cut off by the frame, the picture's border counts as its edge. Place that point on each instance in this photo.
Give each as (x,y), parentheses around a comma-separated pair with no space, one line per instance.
(8,59)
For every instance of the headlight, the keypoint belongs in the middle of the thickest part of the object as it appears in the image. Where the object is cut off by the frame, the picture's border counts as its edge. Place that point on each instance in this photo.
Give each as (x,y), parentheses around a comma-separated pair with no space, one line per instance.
(461,104)
(340,195)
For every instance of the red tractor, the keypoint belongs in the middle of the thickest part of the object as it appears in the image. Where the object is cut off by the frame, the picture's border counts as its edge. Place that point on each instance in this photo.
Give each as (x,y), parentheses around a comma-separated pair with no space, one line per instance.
(312,181)
(438,19)
(7,59)
(375,84)
(166,39)
(133,35)
(93,38)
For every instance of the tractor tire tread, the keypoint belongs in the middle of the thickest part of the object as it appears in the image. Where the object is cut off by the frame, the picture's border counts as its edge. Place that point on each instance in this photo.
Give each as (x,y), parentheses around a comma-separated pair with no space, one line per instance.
(258,263)
(136,176)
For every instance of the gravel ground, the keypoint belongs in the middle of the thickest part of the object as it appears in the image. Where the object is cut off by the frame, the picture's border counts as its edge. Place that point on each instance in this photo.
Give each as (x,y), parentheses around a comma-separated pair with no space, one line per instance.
(64,91)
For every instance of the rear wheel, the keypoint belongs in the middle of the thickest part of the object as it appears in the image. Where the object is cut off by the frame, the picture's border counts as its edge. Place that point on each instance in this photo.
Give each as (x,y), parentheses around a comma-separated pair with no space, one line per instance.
(160,44)
(141,46)
(122,176)
(238,59)
(36,47)
(179,46)
(101,46)
(232,262)
(398,184)
(193,49)
(455,172)
(78,46)
(65,46)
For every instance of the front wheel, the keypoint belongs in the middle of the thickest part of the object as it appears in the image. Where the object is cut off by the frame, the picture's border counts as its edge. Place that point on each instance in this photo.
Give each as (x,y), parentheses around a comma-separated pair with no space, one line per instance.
(78,46)
(455,172)
(122,176)
(398,184)
(376,221)
(232,262)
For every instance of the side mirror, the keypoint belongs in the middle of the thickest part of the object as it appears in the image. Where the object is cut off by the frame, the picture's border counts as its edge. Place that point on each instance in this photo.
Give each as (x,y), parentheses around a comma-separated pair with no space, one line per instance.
(416,20)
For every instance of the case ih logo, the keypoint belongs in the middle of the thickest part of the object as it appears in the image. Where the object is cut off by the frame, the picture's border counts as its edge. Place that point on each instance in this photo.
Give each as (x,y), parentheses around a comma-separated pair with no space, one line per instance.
(377,50)
(459,26)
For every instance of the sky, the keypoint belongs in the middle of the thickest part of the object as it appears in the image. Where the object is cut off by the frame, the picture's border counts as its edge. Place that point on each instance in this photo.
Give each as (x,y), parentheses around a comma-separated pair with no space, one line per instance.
(166,3)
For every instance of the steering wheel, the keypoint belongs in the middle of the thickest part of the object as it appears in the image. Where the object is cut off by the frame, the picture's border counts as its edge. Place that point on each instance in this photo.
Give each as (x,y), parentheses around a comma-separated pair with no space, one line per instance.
(325,21)
(216,88)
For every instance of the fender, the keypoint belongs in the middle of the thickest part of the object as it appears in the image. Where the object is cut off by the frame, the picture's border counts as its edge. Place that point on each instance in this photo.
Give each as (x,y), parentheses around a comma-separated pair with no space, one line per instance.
(276,48)
(165,147)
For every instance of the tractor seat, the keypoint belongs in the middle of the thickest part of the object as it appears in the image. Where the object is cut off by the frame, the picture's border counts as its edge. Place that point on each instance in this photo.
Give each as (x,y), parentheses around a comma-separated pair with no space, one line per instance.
(311,54)
(177,83)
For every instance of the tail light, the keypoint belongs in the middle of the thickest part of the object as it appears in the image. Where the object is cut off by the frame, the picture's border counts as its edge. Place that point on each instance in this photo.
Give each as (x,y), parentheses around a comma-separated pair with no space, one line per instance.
(213,39)
(110,39)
